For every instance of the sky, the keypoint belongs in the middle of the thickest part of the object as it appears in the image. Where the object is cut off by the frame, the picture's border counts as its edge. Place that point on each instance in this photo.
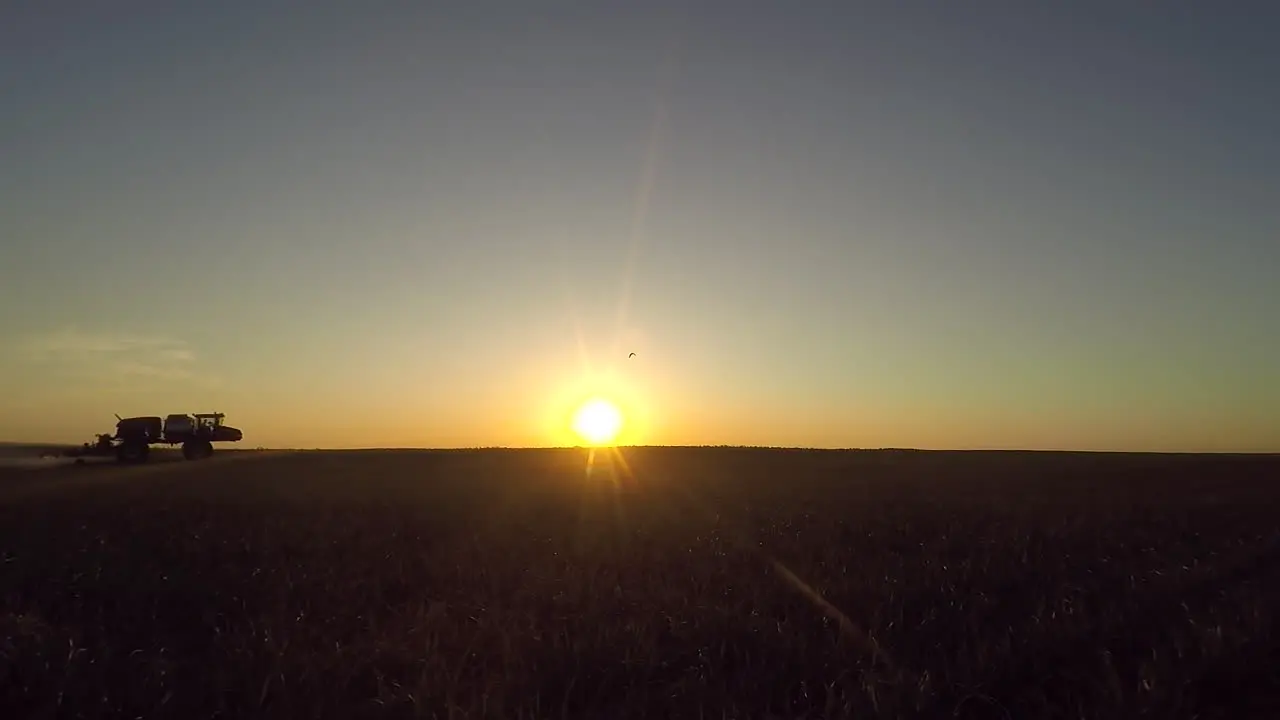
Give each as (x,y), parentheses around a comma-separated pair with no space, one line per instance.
(828,224)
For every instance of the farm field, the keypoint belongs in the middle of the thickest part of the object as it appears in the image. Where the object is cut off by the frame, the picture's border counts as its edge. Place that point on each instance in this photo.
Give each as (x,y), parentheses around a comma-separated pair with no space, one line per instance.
(685,582)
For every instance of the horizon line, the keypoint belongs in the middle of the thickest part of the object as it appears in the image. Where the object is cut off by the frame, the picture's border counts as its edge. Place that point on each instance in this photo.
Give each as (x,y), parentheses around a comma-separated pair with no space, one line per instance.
(720,446)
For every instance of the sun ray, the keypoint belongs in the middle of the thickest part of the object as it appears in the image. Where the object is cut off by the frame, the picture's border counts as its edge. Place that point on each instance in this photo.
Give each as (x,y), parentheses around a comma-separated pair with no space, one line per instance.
(648,175)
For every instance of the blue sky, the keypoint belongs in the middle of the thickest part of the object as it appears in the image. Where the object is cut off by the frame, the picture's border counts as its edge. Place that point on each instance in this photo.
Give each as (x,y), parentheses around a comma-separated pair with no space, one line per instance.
(926,224)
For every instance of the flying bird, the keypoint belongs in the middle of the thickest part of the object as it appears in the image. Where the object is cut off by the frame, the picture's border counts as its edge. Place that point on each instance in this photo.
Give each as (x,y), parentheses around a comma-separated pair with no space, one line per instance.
(631,355)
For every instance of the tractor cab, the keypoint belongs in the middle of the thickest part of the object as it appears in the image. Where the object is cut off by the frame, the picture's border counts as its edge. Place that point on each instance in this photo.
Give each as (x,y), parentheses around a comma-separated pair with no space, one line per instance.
(207,426)
(208,422)
(210,425)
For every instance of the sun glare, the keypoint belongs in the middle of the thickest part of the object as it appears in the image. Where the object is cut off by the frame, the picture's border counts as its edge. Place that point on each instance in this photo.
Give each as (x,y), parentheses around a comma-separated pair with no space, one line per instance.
(597,421)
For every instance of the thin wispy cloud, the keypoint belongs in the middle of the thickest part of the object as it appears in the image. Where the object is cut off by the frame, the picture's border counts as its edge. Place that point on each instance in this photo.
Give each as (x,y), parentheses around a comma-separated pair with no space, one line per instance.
(75,342)
(179,355)
(152,370)
(118,357)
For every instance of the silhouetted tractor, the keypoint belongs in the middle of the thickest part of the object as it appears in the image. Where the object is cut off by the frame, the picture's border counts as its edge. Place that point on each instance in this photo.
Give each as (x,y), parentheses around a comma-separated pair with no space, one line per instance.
(196,433)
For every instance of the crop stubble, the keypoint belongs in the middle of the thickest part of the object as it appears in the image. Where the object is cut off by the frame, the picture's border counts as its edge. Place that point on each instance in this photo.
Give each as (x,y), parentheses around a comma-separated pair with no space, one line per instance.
(707,583)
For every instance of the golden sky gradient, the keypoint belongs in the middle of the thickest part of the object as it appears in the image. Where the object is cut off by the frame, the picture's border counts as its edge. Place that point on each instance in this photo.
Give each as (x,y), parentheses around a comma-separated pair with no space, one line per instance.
(447,226)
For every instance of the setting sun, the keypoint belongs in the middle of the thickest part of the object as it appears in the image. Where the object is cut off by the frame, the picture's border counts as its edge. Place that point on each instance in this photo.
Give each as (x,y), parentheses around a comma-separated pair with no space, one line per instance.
(597,421)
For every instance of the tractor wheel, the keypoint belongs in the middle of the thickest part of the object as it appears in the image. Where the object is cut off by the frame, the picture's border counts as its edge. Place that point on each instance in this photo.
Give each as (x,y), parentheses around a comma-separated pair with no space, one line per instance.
(197,449)
(133,452)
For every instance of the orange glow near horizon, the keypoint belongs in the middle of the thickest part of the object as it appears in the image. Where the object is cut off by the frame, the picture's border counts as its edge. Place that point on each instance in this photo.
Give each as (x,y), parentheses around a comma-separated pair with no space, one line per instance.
(595,405)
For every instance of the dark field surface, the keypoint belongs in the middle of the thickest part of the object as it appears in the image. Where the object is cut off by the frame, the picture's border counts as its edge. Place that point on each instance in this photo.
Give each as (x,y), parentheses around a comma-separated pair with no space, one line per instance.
(710,583)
